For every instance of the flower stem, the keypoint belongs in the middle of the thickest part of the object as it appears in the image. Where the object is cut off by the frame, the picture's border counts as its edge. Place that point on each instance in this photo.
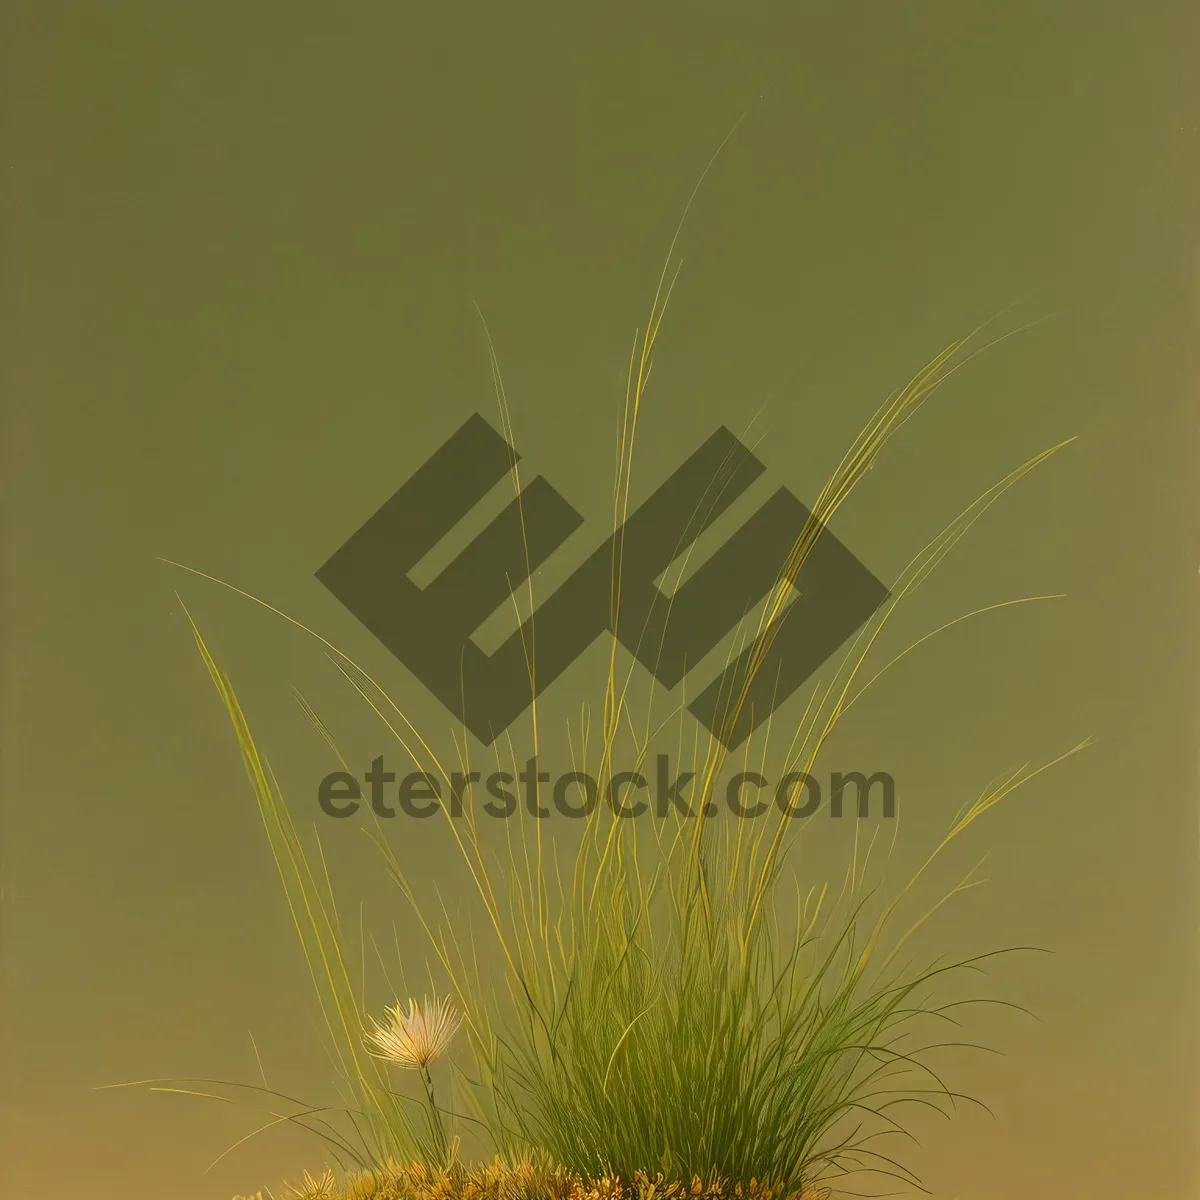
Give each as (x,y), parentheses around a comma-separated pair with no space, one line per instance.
(435,1117)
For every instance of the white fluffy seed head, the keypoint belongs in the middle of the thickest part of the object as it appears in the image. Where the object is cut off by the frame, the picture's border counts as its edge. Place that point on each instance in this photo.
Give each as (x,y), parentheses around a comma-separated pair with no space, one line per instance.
(415,1038)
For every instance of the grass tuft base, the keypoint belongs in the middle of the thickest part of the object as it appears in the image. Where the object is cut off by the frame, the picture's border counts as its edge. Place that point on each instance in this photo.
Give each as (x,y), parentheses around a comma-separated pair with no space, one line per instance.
(524,1181)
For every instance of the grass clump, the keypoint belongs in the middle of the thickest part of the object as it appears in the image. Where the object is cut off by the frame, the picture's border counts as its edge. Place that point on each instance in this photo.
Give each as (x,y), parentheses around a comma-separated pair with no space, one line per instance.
(658,1018)
(672,1007)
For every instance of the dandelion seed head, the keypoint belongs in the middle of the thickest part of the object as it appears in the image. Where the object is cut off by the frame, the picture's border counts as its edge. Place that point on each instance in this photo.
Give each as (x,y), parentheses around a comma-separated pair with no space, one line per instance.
(414,1038)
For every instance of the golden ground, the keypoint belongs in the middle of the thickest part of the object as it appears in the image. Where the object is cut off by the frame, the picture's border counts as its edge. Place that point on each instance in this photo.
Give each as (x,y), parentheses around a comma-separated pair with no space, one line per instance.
(524,1181)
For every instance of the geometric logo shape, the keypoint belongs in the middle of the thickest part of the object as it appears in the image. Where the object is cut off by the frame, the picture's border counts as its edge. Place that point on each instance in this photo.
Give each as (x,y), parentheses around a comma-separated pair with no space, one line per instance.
(430,629)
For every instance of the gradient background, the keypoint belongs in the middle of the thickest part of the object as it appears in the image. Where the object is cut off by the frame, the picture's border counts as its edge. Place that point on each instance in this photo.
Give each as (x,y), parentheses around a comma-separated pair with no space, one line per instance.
(243,242)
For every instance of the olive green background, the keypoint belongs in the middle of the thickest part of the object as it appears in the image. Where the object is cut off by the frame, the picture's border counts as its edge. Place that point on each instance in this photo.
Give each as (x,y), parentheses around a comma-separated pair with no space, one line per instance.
(244,246)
